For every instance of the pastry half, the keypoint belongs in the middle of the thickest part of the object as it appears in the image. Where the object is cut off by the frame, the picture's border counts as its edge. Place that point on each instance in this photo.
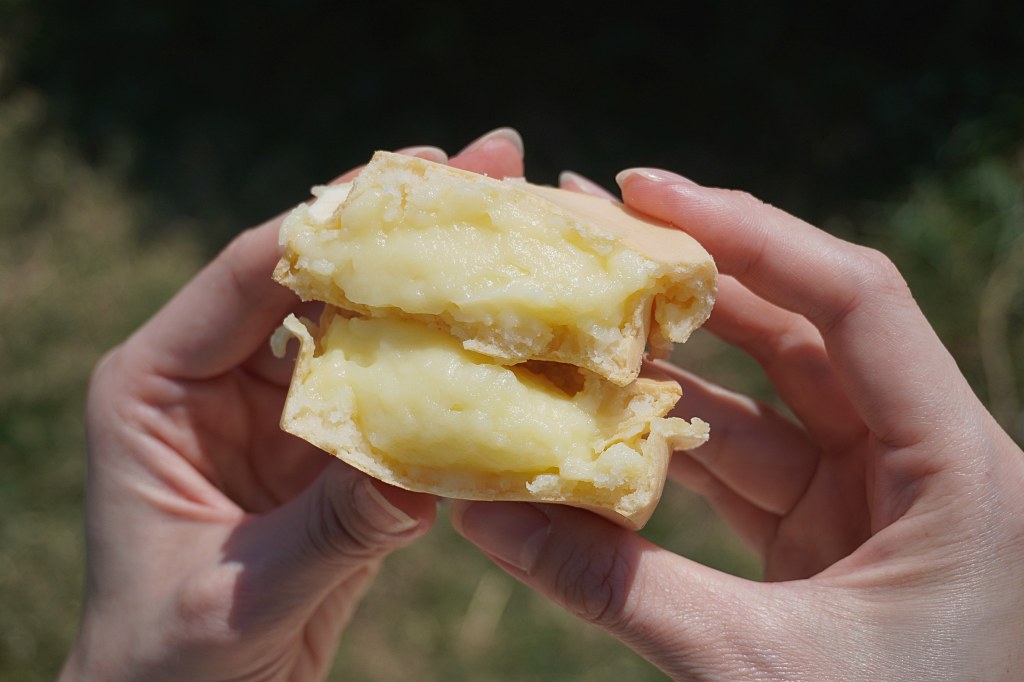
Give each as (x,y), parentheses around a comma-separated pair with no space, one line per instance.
(408,404)
(515,271)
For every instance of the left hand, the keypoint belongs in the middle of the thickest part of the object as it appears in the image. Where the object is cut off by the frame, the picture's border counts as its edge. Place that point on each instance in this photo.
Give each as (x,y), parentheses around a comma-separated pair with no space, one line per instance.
(220,547)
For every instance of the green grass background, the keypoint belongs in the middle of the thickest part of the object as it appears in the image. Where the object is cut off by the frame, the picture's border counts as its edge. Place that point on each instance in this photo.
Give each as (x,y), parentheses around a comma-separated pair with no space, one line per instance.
(107,208)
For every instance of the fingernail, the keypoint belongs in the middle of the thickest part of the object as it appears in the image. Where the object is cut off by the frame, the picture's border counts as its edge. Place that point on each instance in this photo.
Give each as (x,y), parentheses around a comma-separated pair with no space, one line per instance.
(512,532)
(654,175)
(510,135)
(585,185)
(379,511)
(425,152)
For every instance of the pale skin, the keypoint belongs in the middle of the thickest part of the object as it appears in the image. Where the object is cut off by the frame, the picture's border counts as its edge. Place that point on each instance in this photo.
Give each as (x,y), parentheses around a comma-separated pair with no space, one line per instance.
(220,548)
(888,511)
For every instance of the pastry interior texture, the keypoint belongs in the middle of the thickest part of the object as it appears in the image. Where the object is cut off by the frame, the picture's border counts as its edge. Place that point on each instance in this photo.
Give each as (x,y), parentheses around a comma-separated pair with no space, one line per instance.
(407,404)
(483,338)
(515,271)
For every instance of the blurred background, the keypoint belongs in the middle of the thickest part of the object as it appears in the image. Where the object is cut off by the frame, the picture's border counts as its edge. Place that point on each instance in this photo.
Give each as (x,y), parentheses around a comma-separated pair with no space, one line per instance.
(137,138)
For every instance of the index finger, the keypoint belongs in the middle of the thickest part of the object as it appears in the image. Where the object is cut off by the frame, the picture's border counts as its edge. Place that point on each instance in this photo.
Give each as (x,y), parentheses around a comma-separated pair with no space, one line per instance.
(227,312)
(886,354)
(220,318)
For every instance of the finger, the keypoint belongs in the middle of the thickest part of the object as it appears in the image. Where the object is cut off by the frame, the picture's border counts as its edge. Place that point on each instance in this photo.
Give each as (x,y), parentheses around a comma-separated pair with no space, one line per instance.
(435,154)
(498,154)
(787,346)
(429,153)
(223,315)
(678,614)
(575,182)
(756,452)
(792,353)
(341,527)
(755,526)
(883,348)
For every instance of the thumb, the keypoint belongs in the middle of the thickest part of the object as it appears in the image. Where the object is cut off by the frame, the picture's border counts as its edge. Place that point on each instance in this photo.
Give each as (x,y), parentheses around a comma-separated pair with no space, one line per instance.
(334,533)
(691,621)
(347,519)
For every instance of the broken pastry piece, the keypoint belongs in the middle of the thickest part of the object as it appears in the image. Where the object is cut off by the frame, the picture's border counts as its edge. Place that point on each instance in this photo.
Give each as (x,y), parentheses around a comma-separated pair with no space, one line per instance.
(407,404)
(483,338)
(515,271)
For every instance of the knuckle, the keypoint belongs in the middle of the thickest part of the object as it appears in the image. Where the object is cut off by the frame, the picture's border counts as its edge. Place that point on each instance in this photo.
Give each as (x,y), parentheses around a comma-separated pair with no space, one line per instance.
(204,605)
(242,241)
(594,583)
(885,269)
(109,404)
(234,255)
(744,198)
(337,538)
(104,372)
(865,276)
(771,344)
(242,260)
(342,532)
(878,272)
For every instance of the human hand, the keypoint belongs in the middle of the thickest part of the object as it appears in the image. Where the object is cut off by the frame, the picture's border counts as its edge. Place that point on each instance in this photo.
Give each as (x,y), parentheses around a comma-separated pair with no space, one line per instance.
(888,512)
(218,546)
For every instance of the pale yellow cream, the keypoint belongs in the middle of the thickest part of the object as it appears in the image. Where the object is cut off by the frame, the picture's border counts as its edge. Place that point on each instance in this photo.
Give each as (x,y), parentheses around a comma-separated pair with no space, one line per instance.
(514,271)
(438,249)
(419,398)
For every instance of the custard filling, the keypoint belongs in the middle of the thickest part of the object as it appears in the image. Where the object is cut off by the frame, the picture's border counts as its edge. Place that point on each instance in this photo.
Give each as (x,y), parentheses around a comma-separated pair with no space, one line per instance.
(421,399)
(514,271)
